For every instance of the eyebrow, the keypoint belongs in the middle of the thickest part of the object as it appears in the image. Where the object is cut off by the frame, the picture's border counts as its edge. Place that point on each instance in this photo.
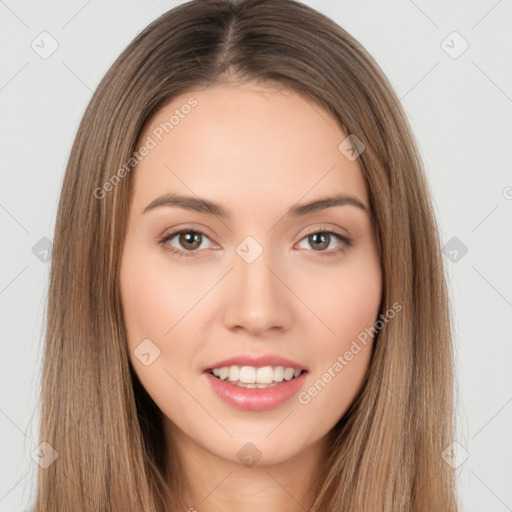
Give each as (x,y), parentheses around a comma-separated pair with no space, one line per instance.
(209,207)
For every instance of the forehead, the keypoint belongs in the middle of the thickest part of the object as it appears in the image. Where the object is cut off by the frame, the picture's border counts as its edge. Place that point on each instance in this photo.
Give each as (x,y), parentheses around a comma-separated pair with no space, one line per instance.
(245,145)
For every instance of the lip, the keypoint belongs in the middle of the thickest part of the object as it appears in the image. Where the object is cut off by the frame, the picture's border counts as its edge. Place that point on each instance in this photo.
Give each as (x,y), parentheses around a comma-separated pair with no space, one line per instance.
(255,399)
(257,361)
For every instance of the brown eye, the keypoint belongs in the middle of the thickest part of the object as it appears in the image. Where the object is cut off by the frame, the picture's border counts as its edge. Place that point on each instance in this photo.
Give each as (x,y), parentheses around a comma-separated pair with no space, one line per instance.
(190,240)
(326,243)
(186,242)
(319,241)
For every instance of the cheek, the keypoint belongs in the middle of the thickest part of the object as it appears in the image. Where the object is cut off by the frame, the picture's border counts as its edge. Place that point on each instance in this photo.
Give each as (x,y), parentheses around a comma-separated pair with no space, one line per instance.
(344,301)
(152,305)
(162,302)
(157,301)
(155,305)
(330,392)
(347,302)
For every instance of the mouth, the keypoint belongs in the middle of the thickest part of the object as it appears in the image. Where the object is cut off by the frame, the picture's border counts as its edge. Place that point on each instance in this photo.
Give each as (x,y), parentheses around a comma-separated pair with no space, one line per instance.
(255,388)
(256,377)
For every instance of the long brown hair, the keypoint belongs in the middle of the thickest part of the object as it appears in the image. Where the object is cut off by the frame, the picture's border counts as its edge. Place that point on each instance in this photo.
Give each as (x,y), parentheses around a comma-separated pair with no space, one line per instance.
(385,454)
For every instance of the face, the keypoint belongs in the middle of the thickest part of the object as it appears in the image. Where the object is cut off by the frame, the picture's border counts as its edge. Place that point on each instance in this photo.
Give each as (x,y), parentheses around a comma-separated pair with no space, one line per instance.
(244,275)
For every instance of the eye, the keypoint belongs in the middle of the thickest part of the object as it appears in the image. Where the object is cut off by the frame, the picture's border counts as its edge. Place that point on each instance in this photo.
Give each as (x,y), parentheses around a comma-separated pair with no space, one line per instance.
(322,239)
(189,239)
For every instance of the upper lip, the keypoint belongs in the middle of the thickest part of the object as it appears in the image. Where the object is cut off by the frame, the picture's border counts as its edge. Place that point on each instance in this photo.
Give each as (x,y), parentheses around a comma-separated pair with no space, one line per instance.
(257,361)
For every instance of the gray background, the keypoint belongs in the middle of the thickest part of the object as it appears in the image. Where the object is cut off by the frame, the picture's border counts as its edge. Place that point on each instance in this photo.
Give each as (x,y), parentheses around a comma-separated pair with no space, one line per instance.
(459,104)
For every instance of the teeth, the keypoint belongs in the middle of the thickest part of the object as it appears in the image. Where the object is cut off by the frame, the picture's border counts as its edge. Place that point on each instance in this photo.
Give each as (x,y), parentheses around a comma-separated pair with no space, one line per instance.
(253,377)
(288,374)
(234,373)
(224,372)
(248,375)
(242,385)
(279,374)
(265,375)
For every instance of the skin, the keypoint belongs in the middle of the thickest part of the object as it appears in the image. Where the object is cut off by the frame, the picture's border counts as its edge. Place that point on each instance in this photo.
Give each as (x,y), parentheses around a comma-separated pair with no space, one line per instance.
(257,150)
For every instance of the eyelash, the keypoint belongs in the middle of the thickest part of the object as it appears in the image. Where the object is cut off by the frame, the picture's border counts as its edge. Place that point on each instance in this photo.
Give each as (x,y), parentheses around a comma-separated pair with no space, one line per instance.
(346,243)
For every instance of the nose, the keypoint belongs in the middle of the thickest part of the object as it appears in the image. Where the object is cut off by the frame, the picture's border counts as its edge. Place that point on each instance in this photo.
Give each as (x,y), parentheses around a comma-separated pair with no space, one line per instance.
(257,299)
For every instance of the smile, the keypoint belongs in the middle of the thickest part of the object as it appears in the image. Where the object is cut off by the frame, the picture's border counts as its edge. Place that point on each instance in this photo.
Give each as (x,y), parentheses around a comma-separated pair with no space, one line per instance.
(252,377)
(255,395)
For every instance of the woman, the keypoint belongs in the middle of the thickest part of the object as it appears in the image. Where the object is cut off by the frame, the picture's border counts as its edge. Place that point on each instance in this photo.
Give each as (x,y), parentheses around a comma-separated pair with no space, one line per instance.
(247,306)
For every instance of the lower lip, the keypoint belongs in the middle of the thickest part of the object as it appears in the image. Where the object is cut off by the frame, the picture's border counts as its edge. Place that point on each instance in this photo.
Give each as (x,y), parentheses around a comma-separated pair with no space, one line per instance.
(256,399)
